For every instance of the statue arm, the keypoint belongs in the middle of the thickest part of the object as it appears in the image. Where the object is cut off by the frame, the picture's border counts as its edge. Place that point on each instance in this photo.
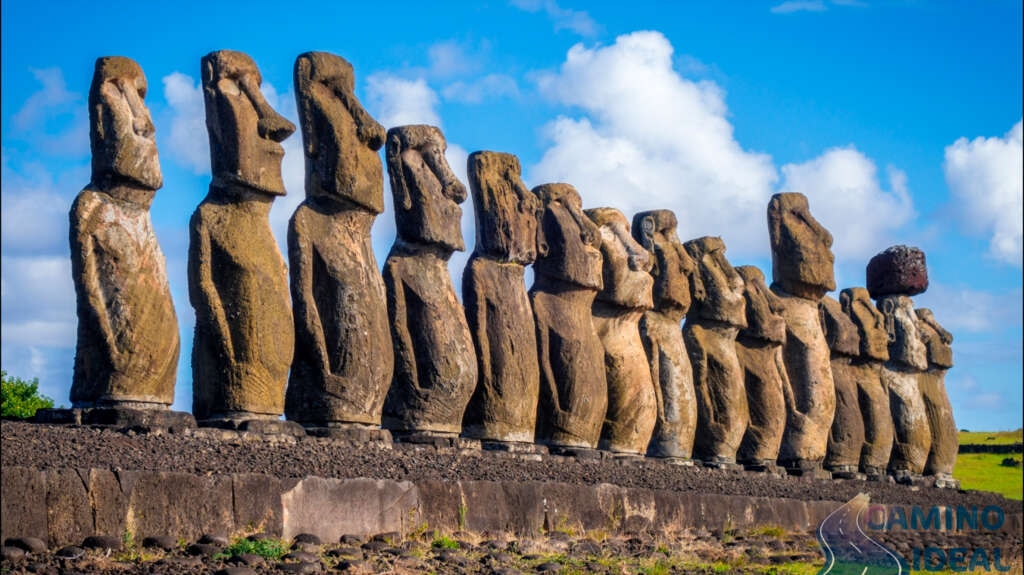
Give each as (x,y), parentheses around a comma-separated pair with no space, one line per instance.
(405,354)
(547,379)
(476,315)
(83,264)
(202,291)
(300,257)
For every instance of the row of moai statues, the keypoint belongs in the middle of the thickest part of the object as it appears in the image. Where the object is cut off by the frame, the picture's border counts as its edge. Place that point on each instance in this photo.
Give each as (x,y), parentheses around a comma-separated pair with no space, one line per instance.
(591,357)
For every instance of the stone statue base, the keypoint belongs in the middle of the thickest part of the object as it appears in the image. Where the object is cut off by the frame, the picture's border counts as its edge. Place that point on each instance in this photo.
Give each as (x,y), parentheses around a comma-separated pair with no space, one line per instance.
(725,463)
(805,468)
(438,439)
(846,472)
(118,416)
(767,466)
(514,447)
(946,481)
(584,453)
(354,433)
(255,423)
(907,477)
(683,461)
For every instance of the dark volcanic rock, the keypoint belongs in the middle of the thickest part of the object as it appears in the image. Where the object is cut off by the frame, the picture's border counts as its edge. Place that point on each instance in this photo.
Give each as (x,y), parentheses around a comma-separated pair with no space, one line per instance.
(899,270)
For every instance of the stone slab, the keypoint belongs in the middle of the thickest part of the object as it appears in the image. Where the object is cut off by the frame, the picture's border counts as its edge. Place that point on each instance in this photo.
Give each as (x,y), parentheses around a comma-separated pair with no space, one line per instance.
(257,425)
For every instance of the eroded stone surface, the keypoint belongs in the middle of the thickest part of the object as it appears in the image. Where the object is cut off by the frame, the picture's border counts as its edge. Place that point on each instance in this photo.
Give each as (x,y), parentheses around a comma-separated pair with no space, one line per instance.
(901,374)
(673,270)
(717,314)
(945,439)
(573,391)
(846,439)
(802,273)
(504,405)
(343,355)
(238,282)
(127,349)
(872,396)
(897,270)
(435,362)
(625,295)
(759,350)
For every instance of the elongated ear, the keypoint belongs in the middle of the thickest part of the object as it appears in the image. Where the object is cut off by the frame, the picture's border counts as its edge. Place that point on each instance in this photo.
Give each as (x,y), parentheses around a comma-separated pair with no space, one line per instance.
(889,313)
(396,172)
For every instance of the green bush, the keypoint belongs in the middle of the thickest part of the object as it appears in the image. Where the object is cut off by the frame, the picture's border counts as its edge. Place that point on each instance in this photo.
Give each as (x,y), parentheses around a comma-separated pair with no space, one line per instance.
(21,398)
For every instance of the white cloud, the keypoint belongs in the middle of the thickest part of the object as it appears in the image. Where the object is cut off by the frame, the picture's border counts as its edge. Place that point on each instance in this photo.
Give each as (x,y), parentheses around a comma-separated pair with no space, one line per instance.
(962,309)
(846,197)
(654,139)
(186,140)
(986,177)
(577,21)
(54,119)
(398,101)
(35,208)
(451,58)
(491,86)
(53,95)
(799,6)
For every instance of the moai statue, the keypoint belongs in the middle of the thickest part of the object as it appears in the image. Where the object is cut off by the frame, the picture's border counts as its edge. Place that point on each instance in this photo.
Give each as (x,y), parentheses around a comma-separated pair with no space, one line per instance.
(573,390)
(343,355)
(712,324)
(872,396)
(759,350)
(127,354)
(238,282)
(673,271)
(892,277)
(626,294)
(945,439)
(801,275)
(846,439)
(435,362)
(503,408)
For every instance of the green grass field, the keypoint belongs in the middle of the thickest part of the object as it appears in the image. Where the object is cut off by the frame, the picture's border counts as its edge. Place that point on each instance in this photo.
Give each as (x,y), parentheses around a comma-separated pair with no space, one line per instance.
(991,437)
(982,471)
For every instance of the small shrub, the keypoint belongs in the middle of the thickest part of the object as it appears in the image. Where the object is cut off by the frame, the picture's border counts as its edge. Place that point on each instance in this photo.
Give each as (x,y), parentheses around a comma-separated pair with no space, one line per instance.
(20,398)
(444,542)
(269,548)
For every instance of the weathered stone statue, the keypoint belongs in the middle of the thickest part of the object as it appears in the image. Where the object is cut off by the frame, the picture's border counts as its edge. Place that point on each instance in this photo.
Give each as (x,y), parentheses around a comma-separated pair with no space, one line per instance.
(715,318)
(504,406)
(343,355)
(625,295)
(673,271)
(846,440)
(945,439)
(435,363)
(802,274)
(573,390)
(892,275)
(872,396)
(759,350)
(238,282)
(127,354)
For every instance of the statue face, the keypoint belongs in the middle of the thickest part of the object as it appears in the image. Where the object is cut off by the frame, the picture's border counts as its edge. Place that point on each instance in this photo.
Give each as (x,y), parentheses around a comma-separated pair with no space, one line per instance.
(801,248)
(672,268)
(340,139)
(722,296)
(901,325)
(121,130)
(569,245)
(427,193)
(937,341)
(762,322)
(874,340)
(245,132)
(507,214)
(626,264)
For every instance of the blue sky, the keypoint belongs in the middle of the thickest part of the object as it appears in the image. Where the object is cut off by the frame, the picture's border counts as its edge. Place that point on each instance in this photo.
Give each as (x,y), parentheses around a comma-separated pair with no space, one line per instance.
(901,121)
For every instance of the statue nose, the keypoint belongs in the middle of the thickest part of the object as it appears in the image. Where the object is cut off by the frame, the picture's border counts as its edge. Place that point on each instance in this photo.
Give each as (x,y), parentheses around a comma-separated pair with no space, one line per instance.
(275,127)
(143,126)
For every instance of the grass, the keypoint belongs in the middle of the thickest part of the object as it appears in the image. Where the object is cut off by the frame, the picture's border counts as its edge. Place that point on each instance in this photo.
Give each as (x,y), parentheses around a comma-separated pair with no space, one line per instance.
(982,471)
(769,531)
(269,548)
(444,542)
(991,437)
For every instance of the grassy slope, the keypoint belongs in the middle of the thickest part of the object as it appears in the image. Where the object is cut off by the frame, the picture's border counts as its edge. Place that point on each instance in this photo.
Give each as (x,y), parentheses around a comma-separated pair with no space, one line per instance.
(991,437)
(982,470)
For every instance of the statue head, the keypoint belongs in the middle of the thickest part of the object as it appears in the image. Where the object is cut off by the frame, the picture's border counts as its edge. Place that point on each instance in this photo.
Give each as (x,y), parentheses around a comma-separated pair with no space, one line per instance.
(672,268)
(870,323)
(121,132)
(840,332)
(245,132)
(722,297)
(426,192)
(626,265)
(762,321)
(507,214)
(568,248)
(801,255)
(901,325)
(937,341)
(339,138)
